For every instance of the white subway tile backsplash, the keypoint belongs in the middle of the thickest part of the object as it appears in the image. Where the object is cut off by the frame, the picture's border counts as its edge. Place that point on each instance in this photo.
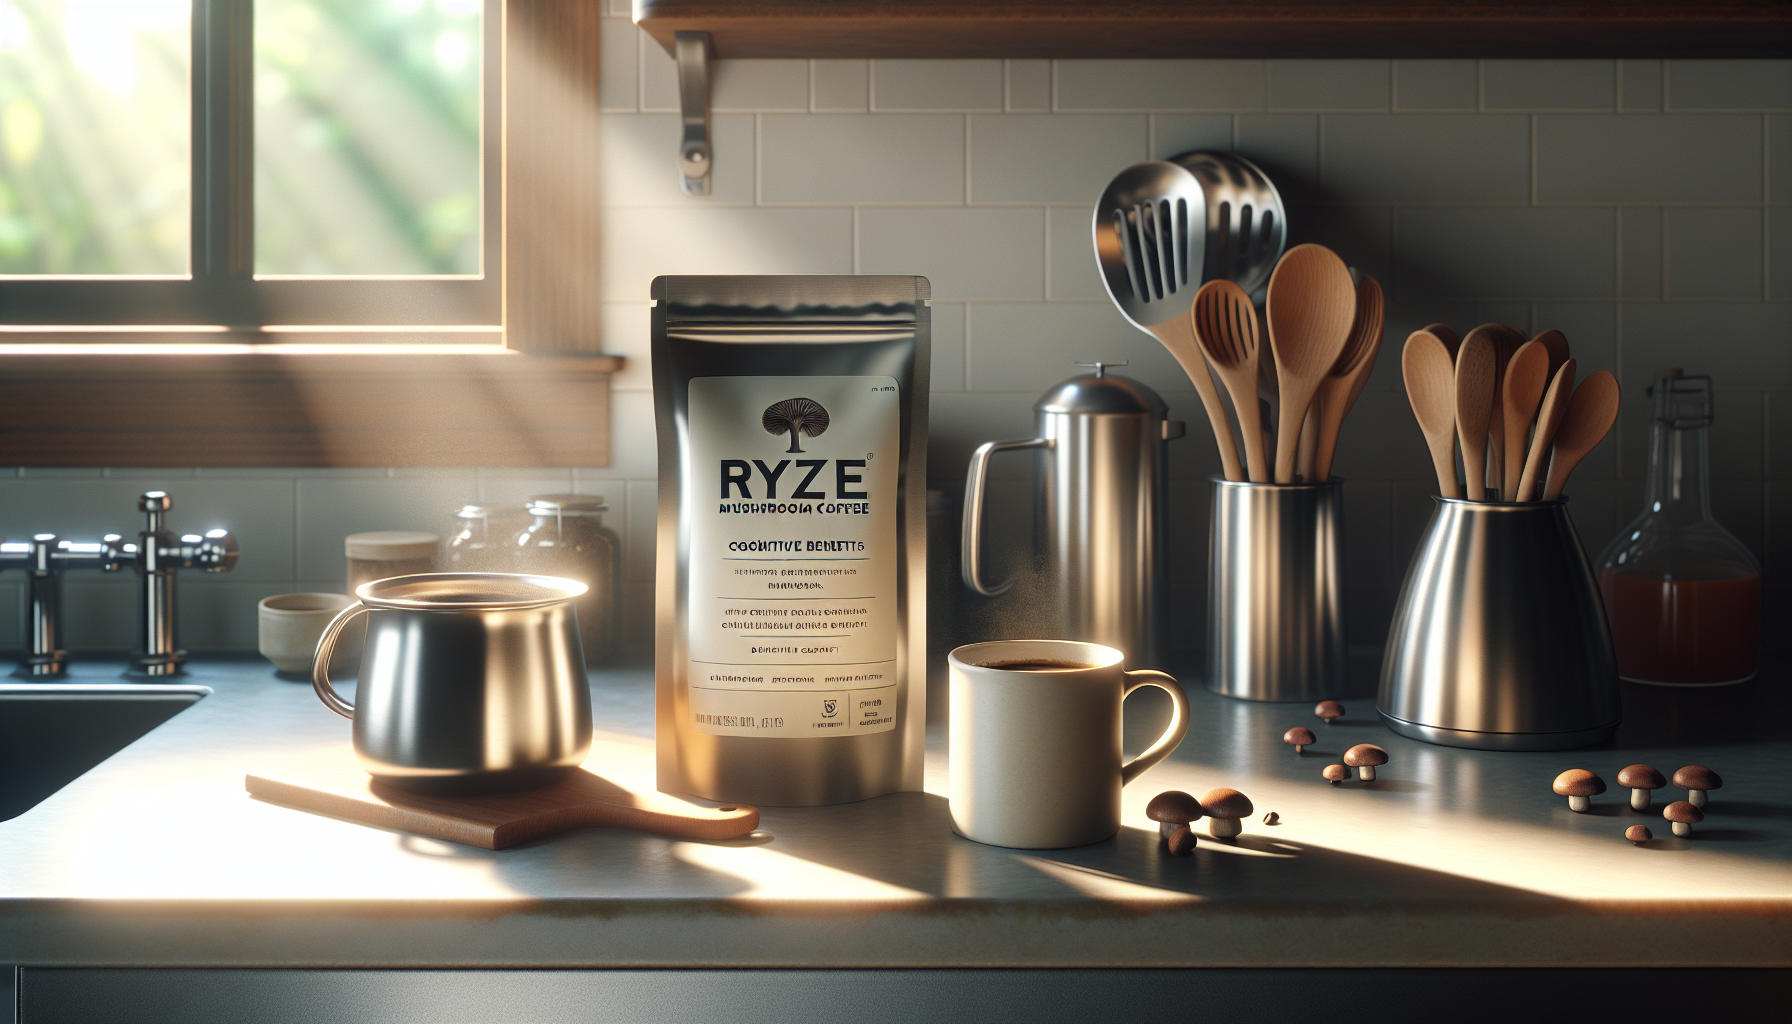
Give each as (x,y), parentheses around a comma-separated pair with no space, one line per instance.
(1330,84)
(1436,85)
(1729,84)
(1051,158)
(936,85)
(1162,85)
(1714,253)
(1534,252)
(641,244)
(1427,158)
(968,253)
(1029,84)
(1626,158)
(843,158)
(1549,84)
(1473,190)
(840,85)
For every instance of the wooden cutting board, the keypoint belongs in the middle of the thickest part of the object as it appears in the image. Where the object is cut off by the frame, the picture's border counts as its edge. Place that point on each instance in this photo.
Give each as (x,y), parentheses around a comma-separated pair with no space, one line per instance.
(332,782)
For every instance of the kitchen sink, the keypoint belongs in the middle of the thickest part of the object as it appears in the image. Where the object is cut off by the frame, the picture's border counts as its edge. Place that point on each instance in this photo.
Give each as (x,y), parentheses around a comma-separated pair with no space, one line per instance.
(52,733)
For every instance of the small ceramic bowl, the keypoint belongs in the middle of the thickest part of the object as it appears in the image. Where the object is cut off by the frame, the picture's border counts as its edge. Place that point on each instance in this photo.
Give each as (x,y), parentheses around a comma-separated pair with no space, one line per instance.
(290,625)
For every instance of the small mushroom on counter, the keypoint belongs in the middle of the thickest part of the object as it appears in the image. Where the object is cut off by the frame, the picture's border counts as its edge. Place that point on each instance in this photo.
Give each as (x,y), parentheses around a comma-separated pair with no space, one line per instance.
(1182,842)
(1640,779)
(1578,785)
(1172,809)
(1638,834)
(1224,807)
(1272,818)
(1697,779)
(1364,757)
(1335,773)
(1329,710)
(1684,815)
(1299,737)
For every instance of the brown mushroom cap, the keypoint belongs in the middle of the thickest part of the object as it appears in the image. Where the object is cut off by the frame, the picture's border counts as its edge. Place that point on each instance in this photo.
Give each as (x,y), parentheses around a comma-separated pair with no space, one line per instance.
(1329,709)
(1638,834)
(1182,842)
(1578,782)
(1226,803)
(1336,772)
(1173,805)
(1300,735)
(1365,755)
(1640,776)
(1682,812)
(1697,776)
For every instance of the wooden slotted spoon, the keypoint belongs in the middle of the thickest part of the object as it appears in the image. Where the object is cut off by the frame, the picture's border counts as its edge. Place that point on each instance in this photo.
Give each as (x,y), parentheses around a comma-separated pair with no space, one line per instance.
(1431,388)
(1526,376)
(1590,416)
(1310,307)
(1225,323)
(1350,375)
(1477,375)
(1549,420)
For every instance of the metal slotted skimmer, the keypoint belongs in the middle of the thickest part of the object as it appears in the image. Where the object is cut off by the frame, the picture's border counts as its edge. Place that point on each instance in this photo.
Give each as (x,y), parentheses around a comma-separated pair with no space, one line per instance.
(1247,227)
(1149,238)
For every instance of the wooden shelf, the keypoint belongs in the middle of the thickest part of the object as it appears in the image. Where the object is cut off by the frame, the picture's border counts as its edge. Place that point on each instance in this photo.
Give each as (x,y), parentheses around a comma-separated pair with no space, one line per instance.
(1226,28)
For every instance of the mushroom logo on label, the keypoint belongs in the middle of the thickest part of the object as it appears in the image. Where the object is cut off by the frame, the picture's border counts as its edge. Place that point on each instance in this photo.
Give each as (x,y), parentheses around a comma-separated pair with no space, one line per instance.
(794,416)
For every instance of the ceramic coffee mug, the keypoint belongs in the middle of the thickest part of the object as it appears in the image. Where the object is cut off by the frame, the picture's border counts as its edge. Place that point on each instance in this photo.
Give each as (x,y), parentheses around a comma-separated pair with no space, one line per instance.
(1035,741)
(290,625)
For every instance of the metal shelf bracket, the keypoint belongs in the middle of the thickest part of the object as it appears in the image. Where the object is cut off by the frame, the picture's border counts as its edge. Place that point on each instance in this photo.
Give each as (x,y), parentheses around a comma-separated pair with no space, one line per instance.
(694,154)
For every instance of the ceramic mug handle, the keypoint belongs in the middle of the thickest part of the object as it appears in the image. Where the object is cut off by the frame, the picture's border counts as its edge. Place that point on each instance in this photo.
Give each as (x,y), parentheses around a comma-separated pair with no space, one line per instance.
(1165,743)
(326,647)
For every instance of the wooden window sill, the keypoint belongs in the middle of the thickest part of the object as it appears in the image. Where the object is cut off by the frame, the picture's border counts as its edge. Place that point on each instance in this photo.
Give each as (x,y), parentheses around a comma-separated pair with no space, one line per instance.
(1227,28)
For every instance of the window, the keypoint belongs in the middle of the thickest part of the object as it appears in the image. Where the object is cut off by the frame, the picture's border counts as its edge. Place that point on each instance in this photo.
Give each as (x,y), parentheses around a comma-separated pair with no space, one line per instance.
(251,164)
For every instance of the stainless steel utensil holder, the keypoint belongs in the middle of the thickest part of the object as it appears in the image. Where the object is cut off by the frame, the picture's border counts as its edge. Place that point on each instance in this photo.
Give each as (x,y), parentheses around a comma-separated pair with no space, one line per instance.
(1275,616)
(1499,640)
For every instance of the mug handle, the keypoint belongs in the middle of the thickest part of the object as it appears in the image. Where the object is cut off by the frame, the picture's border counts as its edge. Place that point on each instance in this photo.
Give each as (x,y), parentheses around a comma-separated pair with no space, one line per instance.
(320,663)
(1178,720)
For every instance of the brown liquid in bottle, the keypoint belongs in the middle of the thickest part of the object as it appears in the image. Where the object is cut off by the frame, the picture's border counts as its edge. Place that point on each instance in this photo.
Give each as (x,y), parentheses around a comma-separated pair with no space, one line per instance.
(1683,631)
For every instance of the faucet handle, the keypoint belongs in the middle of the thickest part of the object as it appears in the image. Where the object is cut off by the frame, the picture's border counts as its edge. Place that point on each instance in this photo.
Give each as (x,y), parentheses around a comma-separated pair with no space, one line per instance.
(214,552)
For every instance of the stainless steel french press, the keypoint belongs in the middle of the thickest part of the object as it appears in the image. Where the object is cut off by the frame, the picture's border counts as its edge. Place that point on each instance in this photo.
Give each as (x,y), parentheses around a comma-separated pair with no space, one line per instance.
(1099,493)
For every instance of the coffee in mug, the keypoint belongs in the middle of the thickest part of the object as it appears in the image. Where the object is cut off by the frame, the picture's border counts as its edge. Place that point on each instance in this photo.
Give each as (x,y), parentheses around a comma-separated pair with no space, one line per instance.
(1034,752)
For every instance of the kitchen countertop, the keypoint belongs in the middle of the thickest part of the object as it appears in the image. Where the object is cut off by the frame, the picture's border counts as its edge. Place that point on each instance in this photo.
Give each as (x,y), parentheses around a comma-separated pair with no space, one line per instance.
(1454,857)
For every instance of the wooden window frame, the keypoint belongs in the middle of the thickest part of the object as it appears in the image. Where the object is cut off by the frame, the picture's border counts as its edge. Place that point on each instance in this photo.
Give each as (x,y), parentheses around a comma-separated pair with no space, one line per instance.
(401,372)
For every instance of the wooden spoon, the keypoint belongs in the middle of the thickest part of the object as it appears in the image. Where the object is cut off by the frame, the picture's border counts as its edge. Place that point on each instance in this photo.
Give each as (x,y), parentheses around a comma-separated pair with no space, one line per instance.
(1431,388)
(1506,340)
(1446,334)
(1526,377)
(1590,417)
(1549,420)
(1310,307)
(1557,343)
(1476,377)
(1350,375)
(1225,324)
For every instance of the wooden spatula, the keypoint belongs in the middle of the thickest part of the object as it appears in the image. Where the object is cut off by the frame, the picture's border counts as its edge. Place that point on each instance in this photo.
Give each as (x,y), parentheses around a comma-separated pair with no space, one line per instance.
(1431,388)
(1348,377)
(1477,375)
(1527,374)
(1590,417)
(1549,420)
(331,782)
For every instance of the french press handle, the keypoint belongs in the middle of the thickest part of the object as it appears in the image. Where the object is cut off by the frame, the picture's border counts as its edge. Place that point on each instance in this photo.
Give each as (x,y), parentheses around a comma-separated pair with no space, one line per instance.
(971,542)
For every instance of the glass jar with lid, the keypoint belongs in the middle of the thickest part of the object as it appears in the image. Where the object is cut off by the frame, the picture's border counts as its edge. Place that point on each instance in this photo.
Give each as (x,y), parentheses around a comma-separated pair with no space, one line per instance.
(1682,594)
(566,536)
(382,554)
(479,540)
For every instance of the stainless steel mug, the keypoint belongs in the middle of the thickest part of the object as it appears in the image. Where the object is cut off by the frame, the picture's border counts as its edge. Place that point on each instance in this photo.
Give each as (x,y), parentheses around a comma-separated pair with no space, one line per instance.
(1499,640)
(471,682)
(1034,753)
(1098,517)
(1275,609)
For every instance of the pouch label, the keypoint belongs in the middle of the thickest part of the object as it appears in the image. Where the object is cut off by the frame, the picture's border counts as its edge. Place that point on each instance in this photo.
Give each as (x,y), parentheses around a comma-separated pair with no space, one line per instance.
(790,495)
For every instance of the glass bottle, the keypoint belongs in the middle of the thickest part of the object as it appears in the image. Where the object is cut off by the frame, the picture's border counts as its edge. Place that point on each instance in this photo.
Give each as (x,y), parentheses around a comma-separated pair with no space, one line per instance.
(1682,594)
(567,537)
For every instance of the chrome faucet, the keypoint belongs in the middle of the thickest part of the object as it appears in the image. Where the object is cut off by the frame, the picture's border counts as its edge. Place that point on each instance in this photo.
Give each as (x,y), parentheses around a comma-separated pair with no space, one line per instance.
(156,556)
